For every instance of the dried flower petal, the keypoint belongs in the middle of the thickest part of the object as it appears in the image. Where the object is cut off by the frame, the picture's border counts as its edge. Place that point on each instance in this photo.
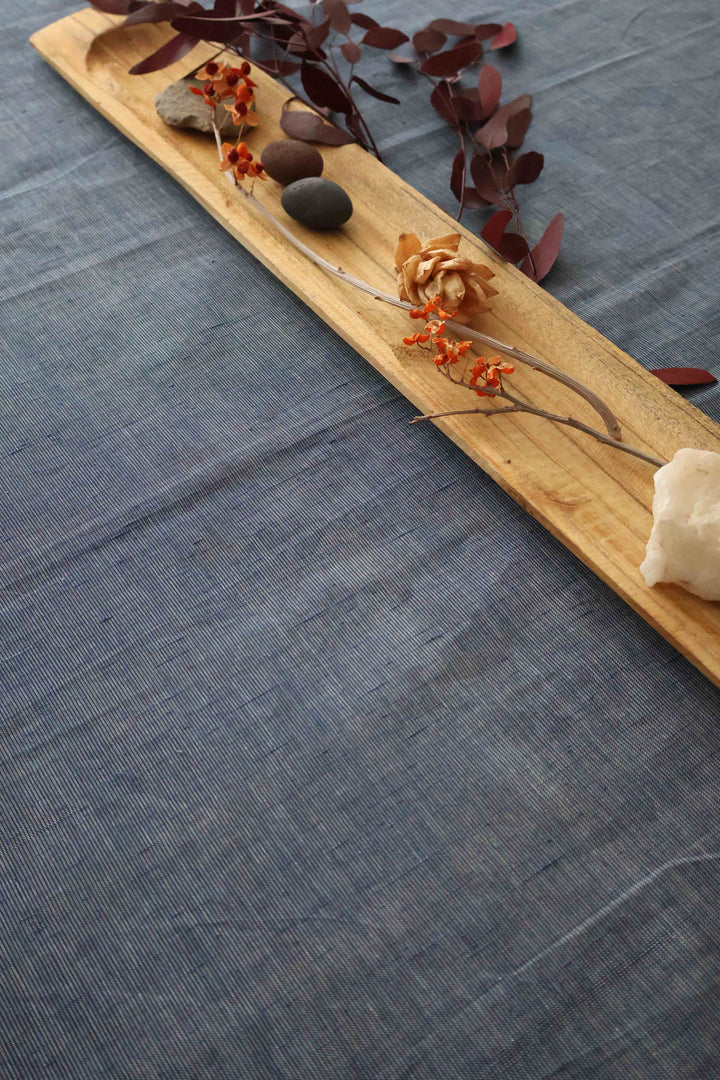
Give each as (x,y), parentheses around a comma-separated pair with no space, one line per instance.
(434,274)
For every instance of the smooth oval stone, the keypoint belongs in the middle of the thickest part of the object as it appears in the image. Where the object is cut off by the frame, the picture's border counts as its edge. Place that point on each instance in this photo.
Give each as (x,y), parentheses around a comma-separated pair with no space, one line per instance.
(288,160)
(317,203)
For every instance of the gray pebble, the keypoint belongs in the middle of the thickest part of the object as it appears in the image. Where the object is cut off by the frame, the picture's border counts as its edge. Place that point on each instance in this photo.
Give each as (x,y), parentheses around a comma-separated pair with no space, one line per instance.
(317,203)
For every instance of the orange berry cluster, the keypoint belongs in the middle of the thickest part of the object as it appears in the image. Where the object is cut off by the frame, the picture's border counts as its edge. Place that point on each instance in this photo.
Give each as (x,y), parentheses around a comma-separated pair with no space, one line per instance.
(222,81)
(483,374)
(240,161)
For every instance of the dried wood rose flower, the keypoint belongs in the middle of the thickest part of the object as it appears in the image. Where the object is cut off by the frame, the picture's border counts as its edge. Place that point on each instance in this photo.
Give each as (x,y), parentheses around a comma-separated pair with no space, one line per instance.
(434,269)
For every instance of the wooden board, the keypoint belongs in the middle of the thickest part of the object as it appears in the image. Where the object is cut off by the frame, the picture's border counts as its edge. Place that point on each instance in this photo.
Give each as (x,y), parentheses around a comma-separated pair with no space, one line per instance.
(594,498)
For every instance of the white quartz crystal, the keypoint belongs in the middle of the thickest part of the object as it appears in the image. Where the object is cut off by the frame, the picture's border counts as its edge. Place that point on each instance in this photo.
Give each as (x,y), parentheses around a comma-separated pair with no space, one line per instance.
(684,545)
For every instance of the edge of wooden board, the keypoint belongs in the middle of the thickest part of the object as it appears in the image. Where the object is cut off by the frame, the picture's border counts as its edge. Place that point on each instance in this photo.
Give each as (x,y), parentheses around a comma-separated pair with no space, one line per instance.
(594,499)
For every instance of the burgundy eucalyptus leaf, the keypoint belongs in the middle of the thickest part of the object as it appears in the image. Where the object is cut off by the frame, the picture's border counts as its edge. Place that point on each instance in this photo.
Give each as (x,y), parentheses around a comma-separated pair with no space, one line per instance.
(517,127)
(173,50)
(450,62)
(457,176)
(507,36)
(494,133)
(297,45)
(684,376)
(466,104)
(428,41)
(351,51)
(470,199)
(363,21)
(494,228)
(113,7)
(338,14)
(475,201)
(287,12)
(545,251)
(450,26)
(354,124)
(483,31)
(308,127)
(384,37)
(373,92)
(485,179)
(489,88)
(443,103)
(323,90)
(162,12)
(513,247)
(525,169)
(222,31)
(512,108)
(316,35)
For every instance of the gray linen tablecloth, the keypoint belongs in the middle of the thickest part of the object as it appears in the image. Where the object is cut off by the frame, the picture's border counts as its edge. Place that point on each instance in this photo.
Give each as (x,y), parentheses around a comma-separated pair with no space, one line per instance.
(320,758)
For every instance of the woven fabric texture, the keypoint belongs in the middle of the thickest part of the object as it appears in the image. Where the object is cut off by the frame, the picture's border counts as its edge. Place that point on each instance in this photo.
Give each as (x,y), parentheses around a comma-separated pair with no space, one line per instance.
(319,758)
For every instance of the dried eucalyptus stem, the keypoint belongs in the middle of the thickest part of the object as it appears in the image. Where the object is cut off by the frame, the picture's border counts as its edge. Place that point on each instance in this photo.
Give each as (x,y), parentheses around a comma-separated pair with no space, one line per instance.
(611,437)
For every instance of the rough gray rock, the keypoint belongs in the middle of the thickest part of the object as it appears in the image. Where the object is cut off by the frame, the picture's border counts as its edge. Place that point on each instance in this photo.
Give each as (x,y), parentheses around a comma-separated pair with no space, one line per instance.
(181,109)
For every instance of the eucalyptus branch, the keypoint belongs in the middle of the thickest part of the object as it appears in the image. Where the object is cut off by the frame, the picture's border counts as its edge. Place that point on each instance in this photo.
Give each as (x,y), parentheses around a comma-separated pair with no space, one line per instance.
(612,436)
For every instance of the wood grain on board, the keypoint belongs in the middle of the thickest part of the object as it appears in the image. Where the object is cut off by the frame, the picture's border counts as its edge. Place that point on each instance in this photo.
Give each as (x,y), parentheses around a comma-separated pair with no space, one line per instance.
(592,497)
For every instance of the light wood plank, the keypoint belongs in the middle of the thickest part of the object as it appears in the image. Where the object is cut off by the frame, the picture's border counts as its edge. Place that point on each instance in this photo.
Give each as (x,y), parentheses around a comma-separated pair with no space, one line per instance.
(595,499)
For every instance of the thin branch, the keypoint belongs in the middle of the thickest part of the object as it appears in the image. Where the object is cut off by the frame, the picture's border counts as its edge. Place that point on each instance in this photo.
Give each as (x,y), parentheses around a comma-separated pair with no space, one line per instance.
(612,438)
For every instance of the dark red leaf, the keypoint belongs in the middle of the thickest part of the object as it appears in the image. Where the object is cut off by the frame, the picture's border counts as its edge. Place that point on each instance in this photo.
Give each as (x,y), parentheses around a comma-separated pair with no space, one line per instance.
(351,51)
(323,90)
(443,103)
(471,200)
(308,127)
(467,104)
(221,30)
(384,37)
(450,26)
(485,179)
(513,247)
(494,228)
(364,21)
(483,31)
(512,108)
(494,133)
(517,127)
(298,46)
(457,175)
(684,376)
(489,88)
(172,50)
(451,61)
(546,250)
(507,36)
(316,35)
(428,41)
(525,169)
(113,7)
(338,14)
(373,92)
(354,124)
(162,12)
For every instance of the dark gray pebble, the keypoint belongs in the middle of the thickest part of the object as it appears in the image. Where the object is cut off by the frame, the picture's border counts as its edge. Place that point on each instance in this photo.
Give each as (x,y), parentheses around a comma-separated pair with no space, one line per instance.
(288,160)
(317,203)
